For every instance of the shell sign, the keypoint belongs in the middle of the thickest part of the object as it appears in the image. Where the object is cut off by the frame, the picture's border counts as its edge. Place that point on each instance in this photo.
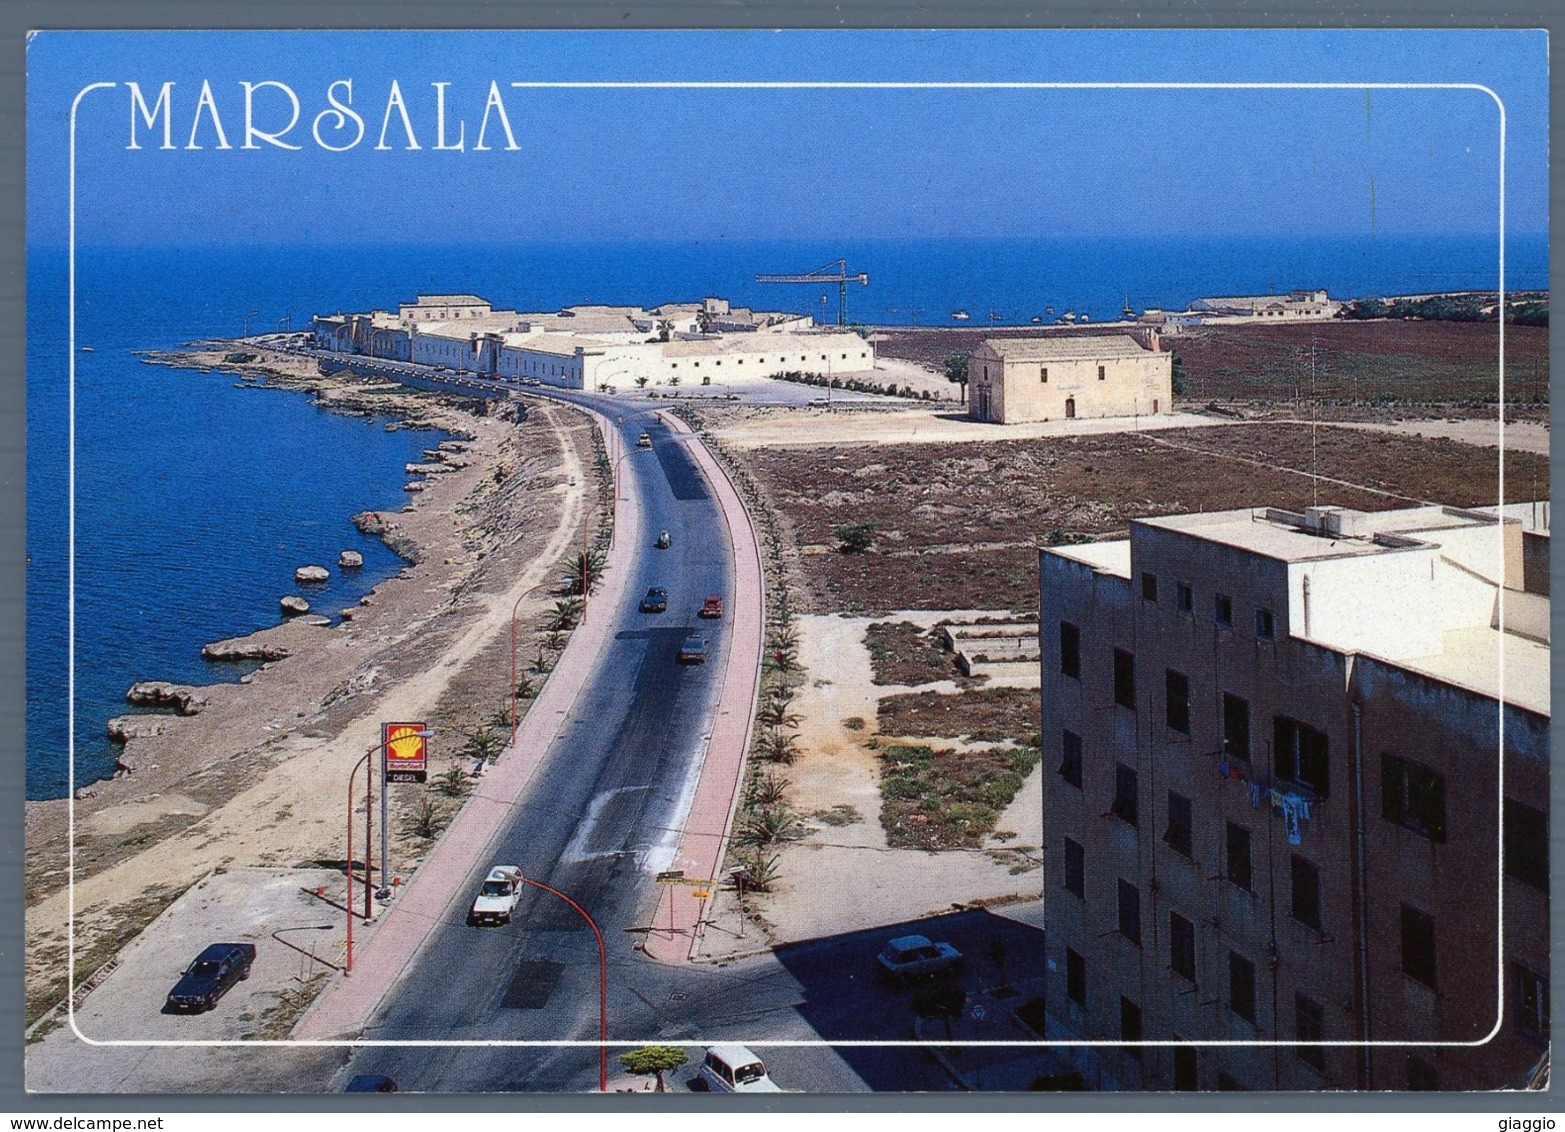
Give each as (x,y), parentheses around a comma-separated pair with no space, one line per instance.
(406,754)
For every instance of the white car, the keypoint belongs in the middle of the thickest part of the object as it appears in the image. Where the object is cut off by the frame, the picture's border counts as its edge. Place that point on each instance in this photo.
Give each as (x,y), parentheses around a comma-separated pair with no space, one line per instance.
(496,900)
(734,1069)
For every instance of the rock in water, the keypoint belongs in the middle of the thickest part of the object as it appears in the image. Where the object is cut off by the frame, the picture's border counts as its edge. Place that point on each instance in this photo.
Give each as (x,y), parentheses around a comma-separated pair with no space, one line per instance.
(350,560)
(370,522)
(294,605)
(124,728)
(311,574)
(160,693)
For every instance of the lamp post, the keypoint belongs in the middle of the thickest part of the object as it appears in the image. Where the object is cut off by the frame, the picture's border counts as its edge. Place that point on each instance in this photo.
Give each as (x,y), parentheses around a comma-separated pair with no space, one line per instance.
(603,983)
(369,810)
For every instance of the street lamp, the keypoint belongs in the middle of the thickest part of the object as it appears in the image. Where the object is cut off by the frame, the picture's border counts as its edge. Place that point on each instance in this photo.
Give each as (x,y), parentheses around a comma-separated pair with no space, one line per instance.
(603,983)
(369,810)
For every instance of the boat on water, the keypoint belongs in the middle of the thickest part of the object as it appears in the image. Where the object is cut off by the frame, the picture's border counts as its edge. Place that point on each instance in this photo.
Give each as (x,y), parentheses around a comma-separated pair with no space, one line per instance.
(960,316)
(1070,316)
(86,349)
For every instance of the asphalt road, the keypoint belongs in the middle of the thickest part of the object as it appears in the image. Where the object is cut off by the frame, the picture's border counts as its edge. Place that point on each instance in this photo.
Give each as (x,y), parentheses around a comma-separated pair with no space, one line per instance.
(600,817)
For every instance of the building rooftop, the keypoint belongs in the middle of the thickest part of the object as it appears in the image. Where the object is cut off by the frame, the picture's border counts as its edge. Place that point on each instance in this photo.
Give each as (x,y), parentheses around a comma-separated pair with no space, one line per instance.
(1065,347)
(1320,532)
(1107,557)
(449,301)
(1471,658)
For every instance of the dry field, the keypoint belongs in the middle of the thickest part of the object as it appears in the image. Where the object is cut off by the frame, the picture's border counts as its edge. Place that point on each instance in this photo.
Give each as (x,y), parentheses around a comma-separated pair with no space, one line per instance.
(957,527)
(1385,362)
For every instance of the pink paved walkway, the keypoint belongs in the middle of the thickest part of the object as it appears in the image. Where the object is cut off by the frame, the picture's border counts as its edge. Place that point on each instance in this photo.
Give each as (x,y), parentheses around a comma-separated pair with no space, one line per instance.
(390,944)
(674,927)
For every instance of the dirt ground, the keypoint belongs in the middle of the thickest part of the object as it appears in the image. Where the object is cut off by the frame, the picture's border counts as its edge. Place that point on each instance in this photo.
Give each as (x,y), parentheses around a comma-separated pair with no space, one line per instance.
(844,875)
(955,525)
(258,778)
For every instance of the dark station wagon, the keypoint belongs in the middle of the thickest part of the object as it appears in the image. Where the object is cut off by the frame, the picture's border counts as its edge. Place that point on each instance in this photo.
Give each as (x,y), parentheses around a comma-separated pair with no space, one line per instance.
(656,600)
(693,651)
(210,975)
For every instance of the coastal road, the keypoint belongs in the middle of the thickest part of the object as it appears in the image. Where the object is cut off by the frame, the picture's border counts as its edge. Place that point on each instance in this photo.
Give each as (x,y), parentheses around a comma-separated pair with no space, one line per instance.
(600,816)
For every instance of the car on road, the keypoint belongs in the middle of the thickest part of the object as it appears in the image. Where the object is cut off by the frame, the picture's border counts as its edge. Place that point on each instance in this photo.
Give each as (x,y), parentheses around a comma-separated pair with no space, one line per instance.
(210,975)
(644,440)
(497,897)
(656,600)
(712,608)
(370,1083)
(663,541)
(915,956)
(693,651)
(734,1069)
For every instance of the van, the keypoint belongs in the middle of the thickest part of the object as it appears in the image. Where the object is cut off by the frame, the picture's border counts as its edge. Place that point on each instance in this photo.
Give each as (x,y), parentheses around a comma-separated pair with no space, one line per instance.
(734,1069)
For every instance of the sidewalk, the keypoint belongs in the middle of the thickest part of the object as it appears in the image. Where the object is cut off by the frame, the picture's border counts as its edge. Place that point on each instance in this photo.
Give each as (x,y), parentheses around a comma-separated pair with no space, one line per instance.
(392,940)
(674,934)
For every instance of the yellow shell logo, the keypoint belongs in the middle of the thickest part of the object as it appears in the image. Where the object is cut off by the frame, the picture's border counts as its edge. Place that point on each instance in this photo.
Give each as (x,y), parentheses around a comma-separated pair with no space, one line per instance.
(406,743)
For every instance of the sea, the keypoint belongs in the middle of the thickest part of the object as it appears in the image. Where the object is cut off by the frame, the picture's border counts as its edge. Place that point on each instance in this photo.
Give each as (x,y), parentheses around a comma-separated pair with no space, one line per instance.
(195,500)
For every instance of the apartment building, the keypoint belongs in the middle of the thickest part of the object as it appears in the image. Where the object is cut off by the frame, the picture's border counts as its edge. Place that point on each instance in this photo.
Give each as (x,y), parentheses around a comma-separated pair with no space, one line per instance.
(1280,747)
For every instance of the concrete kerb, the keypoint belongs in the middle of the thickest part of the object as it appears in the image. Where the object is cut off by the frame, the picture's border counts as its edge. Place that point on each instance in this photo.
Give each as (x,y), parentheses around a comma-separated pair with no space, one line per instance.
(711,815)
(400,932)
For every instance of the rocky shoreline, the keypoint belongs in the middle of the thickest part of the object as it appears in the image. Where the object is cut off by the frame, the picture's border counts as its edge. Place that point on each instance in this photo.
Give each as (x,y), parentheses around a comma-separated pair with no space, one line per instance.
(198,756)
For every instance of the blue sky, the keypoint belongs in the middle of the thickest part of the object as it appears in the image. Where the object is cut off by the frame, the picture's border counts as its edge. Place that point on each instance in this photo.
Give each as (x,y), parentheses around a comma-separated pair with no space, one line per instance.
(808,164)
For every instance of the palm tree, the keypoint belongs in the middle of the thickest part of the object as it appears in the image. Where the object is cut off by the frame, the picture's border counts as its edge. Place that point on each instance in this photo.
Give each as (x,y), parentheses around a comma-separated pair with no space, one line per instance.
(778,746)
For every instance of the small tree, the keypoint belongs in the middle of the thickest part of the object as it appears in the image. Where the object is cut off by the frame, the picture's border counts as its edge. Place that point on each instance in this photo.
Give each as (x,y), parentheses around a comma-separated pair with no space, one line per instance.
(452,782)
(955,369)
(854,538)
(653,1061)
(484,743)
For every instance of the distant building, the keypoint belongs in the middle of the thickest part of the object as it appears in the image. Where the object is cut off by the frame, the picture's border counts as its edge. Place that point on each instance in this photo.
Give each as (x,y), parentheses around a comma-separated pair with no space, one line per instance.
(1057,377)
(1273,801)
(1295,306)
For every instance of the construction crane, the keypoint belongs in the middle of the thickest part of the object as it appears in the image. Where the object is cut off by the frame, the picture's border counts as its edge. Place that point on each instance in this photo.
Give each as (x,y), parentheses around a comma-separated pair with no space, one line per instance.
(834,272)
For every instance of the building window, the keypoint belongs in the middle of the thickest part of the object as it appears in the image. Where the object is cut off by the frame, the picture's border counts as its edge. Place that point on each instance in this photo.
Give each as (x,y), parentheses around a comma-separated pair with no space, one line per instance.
(1413,797)
(1075,978)
(1236,727)
(1527,845)
(1418,945)
(1181,946)
(1301,755)
(1125,678)
(1130,1026)
(1265,625)
(1070,758)
(1130,911)
(1241,986)
(1075,869)
(1308,1026)
(1177,688)
(1101,373)
(1532,995)
(1306,893)
(1043,374)
(1070,650)
(1124,806)
(1184,598)
(1238,860)
(1421,1076)
(1186,1079)
(1148,587)
(1177,835)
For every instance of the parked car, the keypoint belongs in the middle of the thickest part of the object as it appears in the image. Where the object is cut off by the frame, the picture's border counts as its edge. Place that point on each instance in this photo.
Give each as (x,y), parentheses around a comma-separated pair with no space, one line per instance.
(914,956)
(713,607)
(497,898)
(370,1083)
(734,1069)
(644,440)
(693,651)
(210,975)
(663,542)
(656,600)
